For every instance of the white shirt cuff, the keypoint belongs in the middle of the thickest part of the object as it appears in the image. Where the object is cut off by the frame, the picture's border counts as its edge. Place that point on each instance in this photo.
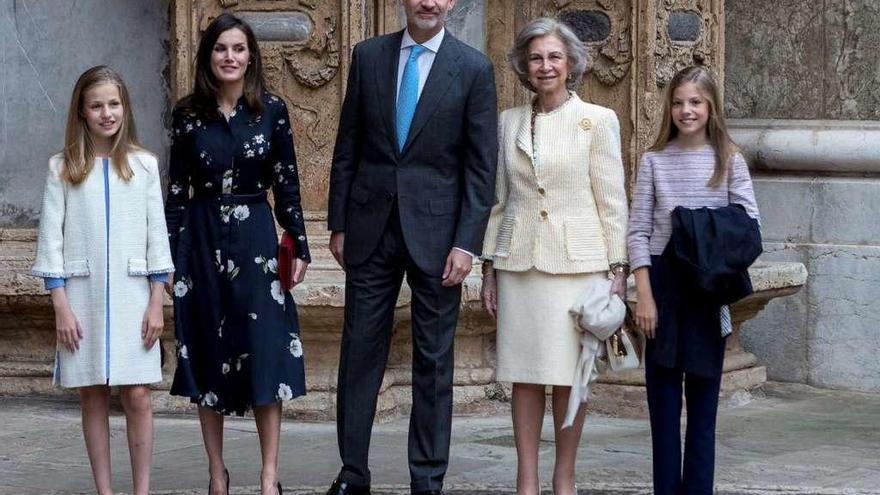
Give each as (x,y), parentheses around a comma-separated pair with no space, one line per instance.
(465,252)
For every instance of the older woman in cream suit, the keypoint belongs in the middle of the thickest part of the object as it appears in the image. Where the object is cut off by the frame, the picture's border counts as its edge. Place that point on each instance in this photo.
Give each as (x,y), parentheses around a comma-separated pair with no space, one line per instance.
(559,222)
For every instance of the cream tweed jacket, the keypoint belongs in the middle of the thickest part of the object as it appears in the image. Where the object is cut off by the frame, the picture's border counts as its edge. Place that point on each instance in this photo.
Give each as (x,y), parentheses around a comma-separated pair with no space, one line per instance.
(106,275)
(561,206)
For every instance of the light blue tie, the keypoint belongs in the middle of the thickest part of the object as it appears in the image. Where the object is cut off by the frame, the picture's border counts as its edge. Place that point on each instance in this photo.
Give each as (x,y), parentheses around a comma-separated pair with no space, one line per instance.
(409,94)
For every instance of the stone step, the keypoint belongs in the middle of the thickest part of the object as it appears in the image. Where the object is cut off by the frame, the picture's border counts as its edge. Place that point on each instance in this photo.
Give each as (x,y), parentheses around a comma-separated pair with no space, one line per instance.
(25,368)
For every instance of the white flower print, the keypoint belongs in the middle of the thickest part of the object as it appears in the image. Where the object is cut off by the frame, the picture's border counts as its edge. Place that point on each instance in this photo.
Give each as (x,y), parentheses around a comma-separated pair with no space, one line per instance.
(277,292)
(277,167)
(269,265)
(295,347)
(232,269)
(260,150)
(252,316)
(180,288)
(225,368)
(209,399)
(175,188)
(189,127)
(284,392)
(227,182)
(183,353)
(259,139)
(281,121)
(225,211)
(249,154)
(239,360)
(241,212)
(218,262)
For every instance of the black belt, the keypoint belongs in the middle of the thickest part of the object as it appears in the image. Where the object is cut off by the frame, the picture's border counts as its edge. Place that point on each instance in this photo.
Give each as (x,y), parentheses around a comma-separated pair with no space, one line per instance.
(232,199)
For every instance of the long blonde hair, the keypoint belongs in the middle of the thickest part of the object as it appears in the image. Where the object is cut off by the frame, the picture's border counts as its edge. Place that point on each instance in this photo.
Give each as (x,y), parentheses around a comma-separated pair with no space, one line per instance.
(79,148)
(719,138)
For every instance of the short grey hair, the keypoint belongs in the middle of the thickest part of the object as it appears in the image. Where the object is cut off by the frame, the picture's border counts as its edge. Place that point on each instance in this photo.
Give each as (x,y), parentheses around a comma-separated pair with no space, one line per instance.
(575,50)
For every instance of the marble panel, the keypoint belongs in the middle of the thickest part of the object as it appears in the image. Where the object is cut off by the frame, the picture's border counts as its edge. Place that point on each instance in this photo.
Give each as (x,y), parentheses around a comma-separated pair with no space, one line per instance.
(851,77)
(774,59)
(45,46)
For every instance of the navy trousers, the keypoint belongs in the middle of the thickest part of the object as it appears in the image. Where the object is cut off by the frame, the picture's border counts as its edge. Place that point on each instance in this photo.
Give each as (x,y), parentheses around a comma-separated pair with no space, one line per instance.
(664,387)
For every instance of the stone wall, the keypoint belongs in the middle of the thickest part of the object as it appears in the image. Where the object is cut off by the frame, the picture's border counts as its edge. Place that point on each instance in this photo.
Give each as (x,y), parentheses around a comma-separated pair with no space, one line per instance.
(817,180)
(45,46)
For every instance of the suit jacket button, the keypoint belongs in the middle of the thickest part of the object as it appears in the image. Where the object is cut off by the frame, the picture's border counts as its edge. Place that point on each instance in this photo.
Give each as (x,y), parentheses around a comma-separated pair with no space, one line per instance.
(541,191)
(544,213)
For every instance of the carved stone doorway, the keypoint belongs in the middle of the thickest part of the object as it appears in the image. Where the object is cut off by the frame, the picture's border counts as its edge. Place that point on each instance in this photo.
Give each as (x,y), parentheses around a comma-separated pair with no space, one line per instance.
(305,46)
(634,48)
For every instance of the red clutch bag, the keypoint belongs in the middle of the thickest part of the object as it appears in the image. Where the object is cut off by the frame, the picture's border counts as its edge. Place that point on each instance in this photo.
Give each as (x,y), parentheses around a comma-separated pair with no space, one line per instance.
(286,255)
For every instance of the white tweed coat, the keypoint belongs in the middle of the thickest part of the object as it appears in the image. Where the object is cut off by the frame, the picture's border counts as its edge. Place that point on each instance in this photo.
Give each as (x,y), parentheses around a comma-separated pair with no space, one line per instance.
(105,236)
(560,204)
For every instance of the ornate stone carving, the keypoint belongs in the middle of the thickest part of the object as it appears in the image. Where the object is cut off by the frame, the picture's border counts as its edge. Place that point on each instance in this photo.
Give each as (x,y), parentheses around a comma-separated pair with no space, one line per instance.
(309,49)
(610,55)
(683,17)
(317,63)
(304,44)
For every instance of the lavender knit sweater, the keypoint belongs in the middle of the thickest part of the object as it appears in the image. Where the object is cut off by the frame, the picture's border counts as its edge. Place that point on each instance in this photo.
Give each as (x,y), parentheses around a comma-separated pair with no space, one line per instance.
(674,177)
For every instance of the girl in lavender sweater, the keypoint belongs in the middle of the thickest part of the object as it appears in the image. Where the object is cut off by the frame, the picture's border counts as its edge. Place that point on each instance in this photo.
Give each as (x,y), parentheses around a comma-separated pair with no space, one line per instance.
(693,164)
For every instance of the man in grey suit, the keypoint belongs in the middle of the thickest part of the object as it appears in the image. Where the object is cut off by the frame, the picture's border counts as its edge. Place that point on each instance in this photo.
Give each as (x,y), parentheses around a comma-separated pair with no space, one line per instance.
(411,188)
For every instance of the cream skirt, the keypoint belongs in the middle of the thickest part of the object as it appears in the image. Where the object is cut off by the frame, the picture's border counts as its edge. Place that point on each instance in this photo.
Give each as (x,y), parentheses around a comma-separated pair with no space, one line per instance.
(537,339)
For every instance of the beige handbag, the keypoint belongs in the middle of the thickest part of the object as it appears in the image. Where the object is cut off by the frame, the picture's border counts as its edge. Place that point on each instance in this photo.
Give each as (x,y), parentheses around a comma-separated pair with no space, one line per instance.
(623,349)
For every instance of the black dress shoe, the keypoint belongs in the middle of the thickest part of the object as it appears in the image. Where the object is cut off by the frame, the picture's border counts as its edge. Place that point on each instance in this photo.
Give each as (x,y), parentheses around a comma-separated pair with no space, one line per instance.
(429,492)
(340,487)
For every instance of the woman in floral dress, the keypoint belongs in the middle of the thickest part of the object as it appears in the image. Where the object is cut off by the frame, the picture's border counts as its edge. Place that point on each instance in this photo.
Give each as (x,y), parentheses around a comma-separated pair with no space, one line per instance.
(237,330)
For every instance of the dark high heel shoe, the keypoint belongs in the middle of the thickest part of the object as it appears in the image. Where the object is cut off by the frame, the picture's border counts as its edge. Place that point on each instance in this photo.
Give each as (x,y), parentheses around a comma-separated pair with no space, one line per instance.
(278,487)
(226,472)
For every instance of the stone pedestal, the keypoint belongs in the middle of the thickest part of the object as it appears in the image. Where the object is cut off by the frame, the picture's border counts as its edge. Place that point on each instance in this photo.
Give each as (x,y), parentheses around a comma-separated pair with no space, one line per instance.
(623,393)
(27,340)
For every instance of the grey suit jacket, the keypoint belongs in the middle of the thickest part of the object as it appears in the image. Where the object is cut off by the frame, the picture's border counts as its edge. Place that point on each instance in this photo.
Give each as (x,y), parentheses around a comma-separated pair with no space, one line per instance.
(443,181)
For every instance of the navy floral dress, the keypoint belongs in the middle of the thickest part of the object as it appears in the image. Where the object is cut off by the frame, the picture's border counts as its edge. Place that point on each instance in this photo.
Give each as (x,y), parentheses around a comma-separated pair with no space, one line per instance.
(238,343)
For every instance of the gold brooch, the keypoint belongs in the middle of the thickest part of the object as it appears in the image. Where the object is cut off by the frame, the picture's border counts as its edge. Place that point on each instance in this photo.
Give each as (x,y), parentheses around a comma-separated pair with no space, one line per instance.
(586,124)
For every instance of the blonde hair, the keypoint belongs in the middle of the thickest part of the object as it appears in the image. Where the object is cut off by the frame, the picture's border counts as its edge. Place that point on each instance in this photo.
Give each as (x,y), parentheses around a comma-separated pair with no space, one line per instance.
(79,148)
(719,138)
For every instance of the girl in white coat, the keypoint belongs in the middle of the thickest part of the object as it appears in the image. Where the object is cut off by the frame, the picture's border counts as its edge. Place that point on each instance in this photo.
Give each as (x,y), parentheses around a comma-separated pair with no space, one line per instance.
(103,252)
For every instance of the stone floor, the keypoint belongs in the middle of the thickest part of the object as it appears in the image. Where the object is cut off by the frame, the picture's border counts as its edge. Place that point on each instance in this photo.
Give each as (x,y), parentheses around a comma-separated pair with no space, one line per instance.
(790,439)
